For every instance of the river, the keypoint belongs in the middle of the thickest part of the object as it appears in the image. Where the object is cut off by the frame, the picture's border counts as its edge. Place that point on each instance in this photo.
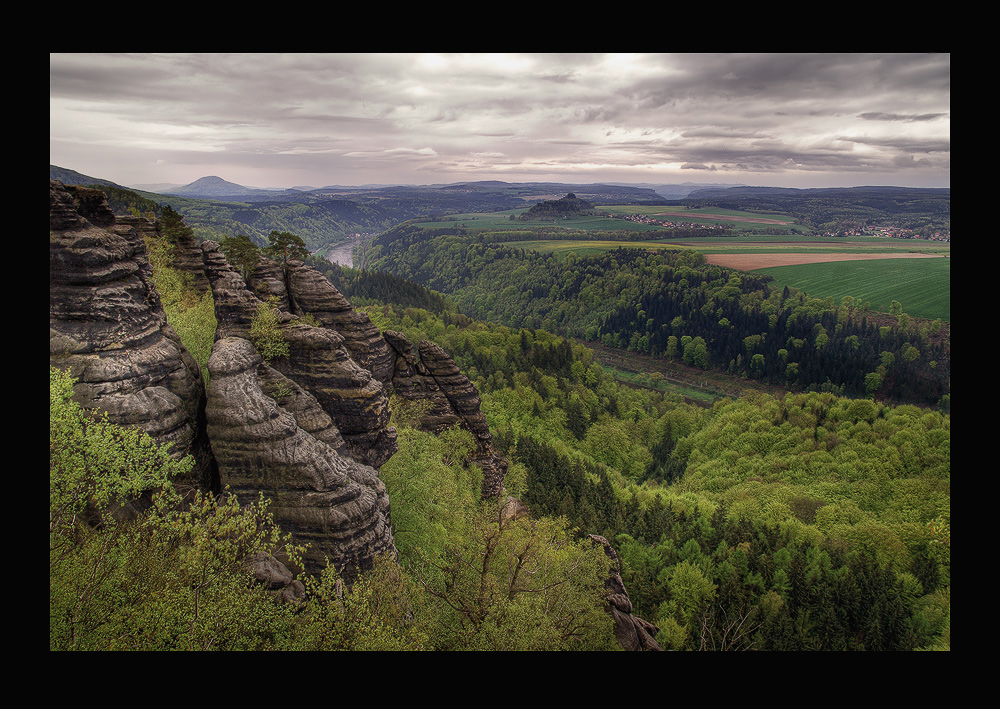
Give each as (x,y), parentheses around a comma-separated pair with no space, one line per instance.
(341,253)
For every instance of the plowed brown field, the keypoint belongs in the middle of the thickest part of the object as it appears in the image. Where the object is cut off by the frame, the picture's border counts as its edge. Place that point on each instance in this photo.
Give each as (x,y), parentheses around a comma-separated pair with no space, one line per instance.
(750,262)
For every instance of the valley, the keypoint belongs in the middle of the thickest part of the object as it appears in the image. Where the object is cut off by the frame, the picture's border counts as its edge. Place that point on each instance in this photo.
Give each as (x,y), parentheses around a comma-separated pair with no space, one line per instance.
(752,449)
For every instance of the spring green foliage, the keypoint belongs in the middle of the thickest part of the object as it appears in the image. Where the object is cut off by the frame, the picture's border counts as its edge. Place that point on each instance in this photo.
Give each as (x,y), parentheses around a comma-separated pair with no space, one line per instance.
(490,583)
(176,576)
(93,464)
(808,521)
(520,584)
(192,315)
(385,609)
(265,332)
(169,577)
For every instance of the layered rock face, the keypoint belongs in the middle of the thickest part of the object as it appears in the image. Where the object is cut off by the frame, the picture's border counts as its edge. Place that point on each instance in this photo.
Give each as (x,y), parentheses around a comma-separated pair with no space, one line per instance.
(631,631)
(319,361)
(309,430)
(427,372)
(270,435)
(312,293)
(107,326)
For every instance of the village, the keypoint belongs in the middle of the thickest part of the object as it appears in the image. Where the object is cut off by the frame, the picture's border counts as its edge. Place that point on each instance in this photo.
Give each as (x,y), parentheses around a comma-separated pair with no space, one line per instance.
(891,233)
(644,219)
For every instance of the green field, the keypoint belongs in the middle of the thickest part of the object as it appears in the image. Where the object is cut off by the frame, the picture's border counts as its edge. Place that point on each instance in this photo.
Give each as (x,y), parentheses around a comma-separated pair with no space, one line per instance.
(501,220)
(921,286)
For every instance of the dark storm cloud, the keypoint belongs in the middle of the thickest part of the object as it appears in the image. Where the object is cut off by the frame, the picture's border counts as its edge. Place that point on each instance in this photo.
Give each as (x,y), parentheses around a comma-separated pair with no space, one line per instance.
(389,116)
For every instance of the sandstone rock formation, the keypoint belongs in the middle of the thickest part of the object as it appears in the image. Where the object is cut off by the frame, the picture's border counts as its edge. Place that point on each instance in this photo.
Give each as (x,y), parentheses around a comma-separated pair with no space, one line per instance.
(427,372)
(310,292)
(319,361)
(107,326)
(632,632)
(309,430)
(271,435)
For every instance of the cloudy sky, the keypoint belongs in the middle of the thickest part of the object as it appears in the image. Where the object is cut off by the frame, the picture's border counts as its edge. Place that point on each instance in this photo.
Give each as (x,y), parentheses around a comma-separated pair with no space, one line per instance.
(283,120)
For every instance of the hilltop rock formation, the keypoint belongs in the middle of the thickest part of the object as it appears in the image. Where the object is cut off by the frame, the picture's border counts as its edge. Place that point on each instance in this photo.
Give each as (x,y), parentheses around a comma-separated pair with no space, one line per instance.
(308,430)
(107,326)
(270,435)
(425,372)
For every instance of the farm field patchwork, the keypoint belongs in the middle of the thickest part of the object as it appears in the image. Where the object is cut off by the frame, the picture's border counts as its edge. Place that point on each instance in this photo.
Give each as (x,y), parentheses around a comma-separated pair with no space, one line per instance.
(757,261)
(876,270)
(921,285)
(870,269)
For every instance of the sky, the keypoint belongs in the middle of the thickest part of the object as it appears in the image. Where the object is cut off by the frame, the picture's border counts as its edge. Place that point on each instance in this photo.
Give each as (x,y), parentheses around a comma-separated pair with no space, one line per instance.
(295,120)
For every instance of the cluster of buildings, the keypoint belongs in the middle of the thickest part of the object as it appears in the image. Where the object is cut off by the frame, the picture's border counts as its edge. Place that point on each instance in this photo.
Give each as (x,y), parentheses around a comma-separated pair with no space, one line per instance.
(892,233)
(644,219)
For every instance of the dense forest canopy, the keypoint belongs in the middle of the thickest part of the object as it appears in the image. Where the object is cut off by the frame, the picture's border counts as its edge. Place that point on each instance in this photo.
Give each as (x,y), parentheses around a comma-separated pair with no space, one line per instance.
(819,521)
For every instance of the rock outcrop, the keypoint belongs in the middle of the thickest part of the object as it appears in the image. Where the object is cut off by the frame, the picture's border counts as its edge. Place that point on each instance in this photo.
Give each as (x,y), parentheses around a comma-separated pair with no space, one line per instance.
(312,293)
(107,326)
(427,372)
(309,429)
(318,360)
(632,632)
(270,435)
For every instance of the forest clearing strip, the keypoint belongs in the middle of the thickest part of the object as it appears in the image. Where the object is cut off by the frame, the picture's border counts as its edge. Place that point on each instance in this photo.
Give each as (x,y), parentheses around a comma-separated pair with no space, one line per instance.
(698,386)
(751,262)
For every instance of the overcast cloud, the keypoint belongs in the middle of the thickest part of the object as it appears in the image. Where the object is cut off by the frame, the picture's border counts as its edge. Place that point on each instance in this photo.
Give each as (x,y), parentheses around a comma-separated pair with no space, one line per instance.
(282,120)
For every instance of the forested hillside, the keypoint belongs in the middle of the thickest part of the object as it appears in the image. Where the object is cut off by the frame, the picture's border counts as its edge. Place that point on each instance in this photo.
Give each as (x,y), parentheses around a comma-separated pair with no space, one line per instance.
(813,520)
(674,305)
(810,521)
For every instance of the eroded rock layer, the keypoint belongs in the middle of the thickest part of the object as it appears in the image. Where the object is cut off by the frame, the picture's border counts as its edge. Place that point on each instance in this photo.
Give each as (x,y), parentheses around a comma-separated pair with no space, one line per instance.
(270,435)
(312,293)
(318,360)
(107,326)
(631,631)
(427,372)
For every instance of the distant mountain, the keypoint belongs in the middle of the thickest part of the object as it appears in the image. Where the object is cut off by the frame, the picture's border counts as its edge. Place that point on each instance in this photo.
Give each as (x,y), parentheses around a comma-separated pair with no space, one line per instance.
(213,186)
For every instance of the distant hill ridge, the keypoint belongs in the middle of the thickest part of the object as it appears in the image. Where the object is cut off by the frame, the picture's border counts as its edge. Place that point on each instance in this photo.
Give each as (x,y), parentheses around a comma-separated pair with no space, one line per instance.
(570,205)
